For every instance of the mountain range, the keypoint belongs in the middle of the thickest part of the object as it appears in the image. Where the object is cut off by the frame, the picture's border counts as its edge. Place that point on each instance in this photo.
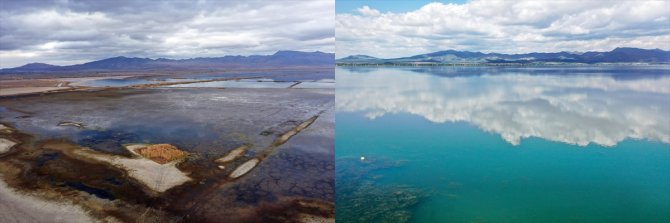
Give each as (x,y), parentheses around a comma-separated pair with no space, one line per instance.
(618,55)
(279,59)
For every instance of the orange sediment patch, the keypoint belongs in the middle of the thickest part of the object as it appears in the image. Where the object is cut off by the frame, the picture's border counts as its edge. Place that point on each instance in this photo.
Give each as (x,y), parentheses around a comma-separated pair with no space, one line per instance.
(161,153)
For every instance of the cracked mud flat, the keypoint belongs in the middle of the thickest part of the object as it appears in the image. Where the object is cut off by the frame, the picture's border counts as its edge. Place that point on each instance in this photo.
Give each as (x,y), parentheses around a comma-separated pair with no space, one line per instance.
(290,181)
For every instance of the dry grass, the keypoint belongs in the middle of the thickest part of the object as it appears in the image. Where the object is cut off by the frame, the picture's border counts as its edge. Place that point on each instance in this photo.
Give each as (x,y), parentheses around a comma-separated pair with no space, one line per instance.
(161,153)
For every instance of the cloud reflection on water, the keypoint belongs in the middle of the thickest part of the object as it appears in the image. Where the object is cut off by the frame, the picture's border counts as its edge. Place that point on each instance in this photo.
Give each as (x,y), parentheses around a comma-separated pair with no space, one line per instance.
(574,109)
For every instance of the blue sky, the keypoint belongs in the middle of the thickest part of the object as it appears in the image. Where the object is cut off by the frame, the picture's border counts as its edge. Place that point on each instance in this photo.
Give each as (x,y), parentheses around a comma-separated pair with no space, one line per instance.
(348,6)
(390,29)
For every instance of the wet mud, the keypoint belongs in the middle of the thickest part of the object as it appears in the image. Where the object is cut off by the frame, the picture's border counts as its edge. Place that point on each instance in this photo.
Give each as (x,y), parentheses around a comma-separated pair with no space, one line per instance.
(283,185)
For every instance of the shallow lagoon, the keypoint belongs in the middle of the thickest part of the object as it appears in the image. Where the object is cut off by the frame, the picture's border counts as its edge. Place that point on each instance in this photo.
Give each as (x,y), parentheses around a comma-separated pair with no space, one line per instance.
(505,145)
(238,84)
(207,123)
(115,82)
(274,78)
(127,81)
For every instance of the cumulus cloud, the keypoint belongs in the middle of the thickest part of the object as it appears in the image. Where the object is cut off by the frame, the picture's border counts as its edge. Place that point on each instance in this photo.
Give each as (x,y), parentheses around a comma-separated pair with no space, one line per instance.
(505,27)
(572,109)
(74,31)
(367,11)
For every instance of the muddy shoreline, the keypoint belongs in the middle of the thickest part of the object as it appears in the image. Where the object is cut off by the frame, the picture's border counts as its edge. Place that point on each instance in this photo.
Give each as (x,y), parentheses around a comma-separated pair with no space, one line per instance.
(29,169)
(53,169)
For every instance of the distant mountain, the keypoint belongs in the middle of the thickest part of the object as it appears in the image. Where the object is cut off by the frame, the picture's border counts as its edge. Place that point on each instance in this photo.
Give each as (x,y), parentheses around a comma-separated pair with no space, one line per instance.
(618,55)
(36,66)
(279,59)
(357,58)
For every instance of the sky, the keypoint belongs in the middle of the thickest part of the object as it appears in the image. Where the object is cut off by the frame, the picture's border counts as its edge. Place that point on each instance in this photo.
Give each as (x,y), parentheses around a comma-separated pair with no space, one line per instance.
(390,29)
(65,32)
(345,6)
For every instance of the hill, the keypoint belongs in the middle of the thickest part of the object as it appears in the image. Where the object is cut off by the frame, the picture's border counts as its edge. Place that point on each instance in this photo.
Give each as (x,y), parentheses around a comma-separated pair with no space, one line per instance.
(618,55)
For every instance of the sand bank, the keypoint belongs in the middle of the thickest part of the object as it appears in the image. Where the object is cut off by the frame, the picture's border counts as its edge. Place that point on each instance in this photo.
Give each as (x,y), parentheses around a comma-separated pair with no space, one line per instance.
(156,177)
(233,154)
(244,168)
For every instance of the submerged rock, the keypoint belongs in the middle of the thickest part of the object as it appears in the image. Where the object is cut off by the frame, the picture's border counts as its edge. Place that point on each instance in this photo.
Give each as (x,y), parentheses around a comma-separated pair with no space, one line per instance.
(361,199)
(369,202)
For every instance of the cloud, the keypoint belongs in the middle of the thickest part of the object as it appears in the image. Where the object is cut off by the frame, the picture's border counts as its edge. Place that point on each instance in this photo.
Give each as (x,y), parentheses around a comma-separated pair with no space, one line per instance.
(367,11)
(74,31)
(506,27)
(574,109)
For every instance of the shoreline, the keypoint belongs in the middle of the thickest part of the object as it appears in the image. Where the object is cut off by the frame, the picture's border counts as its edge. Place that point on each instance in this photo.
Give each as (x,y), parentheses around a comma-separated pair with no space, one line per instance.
(16,206)
(92,164)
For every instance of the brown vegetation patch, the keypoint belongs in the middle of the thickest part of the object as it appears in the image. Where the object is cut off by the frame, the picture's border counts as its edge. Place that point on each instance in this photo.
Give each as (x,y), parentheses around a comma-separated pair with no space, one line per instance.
(161,153)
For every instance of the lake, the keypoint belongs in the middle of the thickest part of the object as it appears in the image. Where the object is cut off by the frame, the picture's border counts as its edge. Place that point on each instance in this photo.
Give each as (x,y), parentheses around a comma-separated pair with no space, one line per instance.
(486,144)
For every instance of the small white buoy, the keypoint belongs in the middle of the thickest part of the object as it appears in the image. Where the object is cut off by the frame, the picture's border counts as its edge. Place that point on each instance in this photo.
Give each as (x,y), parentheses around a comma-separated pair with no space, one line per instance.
(362,158)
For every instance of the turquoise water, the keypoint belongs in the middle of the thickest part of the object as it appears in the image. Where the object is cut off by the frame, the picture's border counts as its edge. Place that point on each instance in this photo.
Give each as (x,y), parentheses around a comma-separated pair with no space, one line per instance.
(498,145)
